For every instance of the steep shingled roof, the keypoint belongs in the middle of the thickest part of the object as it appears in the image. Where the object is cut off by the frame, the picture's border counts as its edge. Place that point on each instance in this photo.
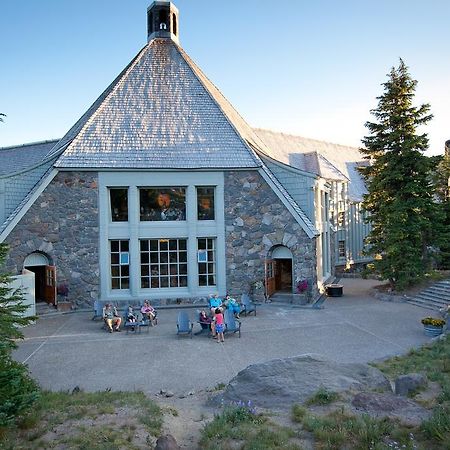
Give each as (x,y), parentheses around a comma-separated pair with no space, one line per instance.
(332,161)
(161,112)
(16,158)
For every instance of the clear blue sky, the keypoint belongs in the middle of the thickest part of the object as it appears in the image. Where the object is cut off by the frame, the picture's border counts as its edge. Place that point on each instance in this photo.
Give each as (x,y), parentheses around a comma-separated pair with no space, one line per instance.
(312,68)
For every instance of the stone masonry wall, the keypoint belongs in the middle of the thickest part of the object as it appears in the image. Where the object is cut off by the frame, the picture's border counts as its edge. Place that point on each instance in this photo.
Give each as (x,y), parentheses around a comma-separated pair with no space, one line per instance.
(63,224)
(256,221)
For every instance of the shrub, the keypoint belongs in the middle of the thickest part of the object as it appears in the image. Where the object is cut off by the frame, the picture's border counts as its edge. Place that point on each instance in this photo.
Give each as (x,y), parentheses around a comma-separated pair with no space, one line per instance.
(17,390)
(322,397)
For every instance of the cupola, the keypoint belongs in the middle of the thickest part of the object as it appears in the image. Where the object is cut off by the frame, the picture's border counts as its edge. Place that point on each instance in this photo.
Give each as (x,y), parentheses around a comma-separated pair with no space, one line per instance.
(162,21)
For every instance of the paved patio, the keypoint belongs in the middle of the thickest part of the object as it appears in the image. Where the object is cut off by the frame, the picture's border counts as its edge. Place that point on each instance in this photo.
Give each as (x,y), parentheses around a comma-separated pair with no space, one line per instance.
(70,350)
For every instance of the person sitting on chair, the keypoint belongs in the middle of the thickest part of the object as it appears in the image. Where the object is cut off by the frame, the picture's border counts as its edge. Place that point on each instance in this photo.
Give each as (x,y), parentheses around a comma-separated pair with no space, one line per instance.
(232,305)
(111,318)
(204,320)
(149,313)
(131,317)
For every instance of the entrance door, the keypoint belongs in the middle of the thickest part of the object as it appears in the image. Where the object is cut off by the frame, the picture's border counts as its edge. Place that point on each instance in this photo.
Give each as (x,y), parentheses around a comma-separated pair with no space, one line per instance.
(50,285)
(283,275)
(270,271)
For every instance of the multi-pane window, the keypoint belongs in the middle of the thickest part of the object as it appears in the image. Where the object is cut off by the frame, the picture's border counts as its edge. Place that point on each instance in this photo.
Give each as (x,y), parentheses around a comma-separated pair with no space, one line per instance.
(163,263)
(158,204)
(341,218)
(206,257)
(205,203)
(341,249)
(120,264)
(119,204)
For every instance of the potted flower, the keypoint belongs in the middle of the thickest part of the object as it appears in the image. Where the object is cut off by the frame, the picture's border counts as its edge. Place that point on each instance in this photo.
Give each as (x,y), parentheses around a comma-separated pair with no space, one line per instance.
(302,291)
(433,326)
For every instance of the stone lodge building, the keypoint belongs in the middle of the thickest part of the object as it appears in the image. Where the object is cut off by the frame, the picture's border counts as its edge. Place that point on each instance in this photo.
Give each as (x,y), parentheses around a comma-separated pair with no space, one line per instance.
(161,190)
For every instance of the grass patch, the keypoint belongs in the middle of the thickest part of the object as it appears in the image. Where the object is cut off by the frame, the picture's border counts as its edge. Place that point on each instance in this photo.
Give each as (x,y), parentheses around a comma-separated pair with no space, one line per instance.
(431,360)
(338,427)
(298,413)
(249,430)
(322,397)
(72,411)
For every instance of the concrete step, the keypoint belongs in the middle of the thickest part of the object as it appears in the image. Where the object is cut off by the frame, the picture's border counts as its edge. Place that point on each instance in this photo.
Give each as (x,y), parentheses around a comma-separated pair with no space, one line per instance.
(434,297)
(422,304)
(434,303)
(281,297)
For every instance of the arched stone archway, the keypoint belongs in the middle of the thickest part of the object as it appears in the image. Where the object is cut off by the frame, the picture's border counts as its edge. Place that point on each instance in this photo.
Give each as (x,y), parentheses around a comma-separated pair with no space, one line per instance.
(44,276)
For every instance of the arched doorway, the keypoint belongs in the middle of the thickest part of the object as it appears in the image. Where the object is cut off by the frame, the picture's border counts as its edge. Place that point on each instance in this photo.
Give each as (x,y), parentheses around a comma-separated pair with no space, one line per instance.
(278,270)
(44,277)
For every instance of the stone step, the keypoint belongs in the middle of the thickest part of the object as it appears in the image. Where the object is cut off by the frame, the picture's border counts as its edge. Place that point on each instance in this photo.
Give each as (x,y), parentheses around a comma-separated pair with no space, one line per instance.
(434,294)
(280,297)
(424,305)
(445,290)
(432,302)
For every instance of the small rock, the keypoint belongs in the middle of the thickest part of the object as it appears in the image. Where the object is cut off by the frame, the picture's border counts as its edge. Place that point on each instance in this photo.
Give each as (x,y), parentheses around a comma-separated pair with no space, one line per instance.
(169,394)
(167,442)
(404,384)
(76,389)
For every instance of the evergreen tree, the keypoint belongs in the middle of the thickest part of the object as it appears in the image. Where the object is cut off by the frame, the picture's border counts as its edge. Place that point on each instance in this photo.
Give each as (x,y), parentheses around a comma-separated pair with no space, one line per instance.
(400,193)
(442,190)
(17,390)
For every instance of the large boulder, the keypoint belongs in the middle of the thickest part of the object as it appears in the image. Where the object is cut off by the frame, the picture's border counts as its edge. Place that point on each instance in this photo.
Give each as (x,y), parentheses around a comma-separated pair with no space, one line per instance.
(279,383)
(405,384)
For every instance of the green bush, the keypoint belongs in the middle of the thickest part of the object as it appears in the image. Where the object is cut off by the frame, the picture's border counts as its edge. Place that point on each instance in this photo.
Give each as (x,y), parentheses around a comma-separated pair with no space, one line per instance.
(322,397)
(17,390)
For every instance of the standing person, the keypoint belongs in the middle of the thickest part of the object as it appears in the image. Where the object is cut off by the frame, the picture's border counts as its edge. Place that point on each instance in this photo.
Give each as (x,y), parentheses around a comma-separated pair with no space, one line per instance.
(149,312)
(219,325)
(111,317)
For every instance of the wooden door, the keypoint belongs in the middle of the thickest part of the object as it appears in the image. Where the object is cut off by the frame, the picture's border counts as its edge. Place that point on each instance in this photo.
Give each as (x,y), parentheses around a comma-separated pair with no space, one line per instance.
(270,270)
(50,285)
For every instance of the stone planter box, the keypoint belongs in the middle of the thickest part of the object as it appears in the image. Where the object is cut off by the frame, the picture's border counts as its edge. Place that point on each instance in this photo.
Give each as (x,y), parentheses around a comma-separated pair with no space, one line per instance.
(432,331)
(334,290)
(64,306)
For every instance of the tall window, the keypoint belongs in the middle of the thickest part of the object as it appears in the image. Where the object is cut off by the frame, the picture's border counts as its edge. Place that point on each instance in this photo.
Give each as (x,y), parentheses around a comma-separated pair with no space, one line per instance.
(205,203)
(341,218)
(119,204)
(120,265)
(206,257)
(163,263)
(341,249)
(158,204)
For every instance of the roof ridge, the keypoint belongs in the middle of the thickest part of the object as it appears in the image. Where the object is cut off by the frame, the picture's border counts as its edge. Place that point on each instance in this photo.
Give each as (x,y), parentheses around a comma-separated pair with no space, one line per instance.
(303,137)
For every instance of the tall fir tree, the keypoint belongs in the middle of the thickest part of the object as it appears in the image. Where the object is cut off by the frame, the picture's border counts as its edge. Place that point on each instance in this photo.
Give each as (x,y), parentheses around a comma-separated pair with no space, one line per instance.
(442,189)
(400,193)
(18,391)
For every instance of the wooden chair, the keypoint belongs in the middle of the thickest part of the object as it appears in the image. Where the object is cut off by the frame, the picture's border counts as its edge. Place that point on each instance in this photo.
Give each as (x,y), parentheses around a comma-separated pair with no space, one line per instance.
(232,325)
(247,305)
(184,325)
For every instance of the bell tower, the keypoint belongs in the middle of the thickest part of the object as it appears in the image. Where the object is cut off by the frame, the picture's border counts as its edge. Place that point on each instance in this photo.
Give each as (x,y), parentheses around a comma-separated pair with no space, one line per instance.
(162,21)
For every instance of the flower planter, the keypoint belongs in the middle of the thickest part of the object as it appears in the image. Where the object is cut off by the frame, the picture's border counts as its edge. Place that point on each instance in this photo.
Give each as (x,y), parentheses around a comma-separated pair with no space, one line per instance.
(432,331)
(334,290)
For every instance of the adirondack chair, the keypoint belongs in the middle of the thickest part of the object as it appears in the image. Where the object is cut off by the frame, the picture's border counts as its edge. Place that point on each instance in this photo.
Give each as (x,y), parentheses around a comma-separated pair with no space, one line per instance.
(232,325)
(247,305)
(130,326)
(184,325)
